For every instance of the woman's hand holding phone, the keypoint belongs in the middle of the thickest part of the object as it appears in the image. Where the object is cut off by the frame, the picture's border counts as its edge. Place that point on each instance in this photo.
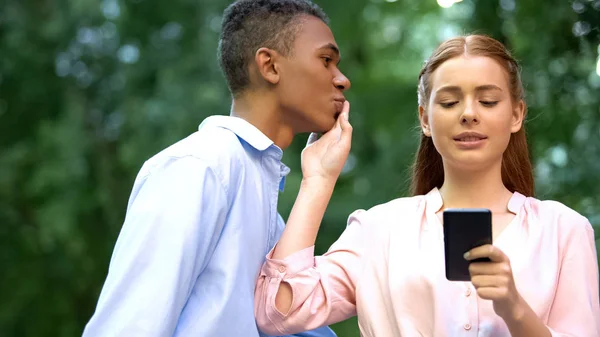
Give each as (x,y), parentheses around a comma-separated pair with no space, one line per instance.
(494,281)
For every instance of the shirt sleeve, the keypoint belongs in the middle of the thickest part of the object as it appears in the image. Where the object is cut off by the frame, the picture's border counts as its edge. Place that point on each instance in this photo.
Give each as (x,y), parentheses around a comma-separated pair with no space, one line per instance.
(575,311)
(174,219)
(323,331)
(323,287)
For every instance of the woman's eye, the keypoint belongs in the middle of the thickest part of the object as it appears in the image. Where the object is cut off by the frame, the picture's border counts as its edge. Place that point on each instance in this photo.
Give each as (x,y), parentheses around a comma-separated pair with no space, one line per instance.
(488,103)
(448,105)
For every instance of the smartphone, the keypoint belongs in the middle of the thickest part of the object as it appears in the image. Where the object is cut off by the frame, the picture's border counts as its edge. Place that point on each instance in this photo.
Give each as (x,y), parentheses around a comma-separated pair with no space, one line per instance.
(464,229)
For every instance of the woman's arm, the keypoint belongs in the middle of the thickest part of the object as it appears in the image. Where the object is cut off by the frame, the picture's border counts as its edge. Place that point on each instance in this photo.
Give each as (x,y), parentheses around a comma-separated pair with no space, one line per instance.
(324,287)
(576,307)
(322,162)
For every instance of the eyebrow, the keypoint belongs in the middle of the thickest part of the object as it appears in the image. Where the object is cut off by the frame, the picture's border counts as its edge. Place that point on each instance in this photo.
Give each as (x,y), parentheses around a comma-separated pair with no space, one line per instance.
(455,89)
(333,48)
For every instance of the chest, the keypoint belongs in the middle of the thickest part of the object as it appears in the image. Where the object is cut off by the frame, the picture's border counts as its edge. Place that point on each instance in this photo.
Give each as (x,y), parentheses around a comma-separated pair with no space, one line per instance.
(253,224)
(421,300)
(500,221)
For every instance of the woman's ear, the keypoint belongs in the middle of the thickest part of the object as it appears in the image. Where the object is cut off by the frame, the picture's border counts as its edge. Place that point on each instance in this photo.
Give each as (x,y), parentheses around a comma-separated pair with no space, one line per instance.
(518,116)
(424,120)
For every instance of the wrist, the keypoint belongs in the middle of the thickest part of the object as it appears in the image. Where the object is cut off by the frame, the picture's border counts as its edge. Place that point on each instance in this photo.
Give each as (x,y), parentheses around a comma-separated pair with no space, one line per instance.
(518,312)
(318,183)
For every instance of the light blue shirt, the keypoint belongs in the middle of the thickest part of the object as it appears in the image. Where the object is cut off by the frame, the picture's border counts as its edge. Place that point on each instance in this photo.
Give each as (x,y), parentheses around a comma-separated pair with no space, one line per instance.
(201,218)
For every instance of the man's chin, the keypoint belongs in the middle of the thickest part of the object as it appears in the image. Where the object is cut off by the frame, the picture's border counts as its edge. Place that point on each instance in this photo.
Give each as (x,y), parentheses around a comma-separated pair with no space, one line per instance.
(328,127)
(324,125)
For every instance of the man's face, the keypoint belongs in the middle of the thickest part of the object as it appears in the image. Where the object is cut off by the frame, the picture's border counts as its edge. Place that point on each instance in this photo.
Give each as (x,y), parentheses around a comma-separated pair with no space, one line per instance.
(311,86)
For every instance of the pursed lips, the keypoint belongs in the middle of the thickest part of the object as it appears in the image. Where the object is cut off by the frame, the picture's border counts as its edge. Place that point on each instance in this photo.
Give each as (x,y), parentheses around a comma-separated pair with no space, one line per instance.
(339,104)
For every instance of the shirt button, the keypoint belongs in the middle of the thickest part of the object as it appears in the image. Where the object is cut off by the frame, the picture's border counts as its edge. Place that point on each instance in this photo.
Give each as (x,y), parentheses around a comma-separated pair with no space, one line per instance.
(281,269)
(468,292)
(467,326)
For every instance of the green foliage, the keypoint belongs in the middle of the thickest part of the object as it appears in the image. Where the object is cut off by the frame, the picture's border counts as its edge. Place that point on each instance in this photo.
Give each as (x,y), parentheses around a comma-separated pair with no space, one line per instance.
(89,89)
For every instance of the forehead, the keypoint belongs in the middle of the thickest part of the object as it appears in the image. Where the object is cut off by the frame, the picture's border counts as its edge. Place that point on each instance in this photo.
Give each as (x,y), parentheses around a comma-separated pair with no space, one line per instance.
(313,34)
(470,71)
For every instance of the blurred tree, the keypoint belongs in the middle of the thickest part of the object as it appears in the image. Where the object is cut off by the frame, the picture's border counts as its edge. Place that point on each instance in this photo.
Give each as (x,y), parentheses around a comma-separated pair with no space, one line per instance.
(90,89)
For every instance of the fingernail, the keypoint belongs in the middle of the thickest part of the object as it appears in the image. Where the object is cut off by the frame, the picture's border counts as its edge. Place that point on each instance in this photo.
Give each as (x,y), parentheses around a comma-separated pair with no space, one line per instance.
(466,256)
(345,116)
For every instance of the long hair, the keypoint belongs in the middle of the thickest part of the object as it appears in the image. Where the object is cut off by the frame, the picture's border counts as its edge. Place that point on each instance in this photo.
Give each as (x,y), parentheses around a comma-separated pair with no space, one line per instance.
(428,169)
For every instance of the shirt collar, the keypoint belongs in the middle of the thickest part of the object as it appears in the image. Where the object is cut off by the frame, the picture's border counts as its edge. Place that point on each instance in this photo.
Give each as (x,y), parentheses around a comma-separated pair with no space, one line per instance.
(516,202)
(435,202)
(284,171)
(243,129)
(251,135)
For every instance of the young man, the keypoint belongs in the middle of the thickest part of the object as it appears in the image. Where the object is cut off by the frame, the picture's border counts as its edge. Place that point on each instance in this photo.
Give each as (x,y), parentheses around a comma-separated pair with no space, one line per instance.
(203,213)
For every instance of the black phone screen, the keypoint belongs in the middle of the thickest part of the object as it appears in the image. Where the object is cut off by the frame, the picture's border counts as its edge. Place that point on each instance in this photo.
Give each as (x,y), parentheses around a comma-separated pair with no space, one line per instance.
(464,229)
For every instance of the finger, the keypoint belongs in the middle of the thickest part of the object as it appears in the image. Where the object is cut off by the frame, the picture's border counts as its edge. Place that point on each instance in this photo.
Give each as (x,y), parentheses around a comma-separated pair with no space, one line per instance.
(489,251)
(484,268)
(335,132)
(481,281)
(342,118)
(346,136)
(492,293)
(346,107)
(313,137)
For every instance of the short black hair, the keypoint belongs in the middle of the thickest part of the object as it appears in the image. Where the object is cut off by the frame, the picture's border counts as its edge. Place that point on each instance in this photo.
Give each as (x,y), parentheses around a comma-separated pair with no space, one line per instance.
(252,24)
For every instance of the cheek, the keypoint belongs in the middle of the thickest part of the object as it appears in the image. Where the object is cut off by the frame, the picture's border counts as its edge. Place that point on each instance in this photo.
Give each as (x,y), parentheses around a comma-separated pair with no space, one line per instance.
(503,140)
(439,126)
(500,130)
(501,121)
(440,123)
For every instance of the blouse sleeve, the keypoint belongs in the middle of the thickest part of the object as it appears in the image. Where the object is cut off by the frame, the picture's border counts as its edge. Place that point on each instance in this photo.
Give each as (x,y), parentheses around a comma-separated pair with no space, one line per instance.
(323,287)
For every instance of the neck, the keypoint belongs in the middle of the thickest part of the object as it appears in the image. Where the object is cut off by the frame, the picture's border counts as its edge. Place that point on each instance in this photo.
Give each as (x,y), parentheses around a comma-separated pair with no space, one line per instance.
(263,111)
(475,189)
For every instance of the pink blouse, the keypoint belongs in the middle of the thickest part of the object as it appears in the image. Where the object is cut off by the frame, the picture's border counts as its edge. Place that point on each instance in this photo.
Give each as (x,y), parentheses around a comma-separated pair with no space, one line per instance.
(388,268)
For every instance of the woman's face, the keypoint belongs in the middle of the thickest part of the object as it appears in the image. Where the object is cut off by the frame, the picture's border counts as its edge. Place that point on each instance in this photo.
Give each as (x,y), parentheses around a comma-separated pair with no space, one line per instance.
(470,115)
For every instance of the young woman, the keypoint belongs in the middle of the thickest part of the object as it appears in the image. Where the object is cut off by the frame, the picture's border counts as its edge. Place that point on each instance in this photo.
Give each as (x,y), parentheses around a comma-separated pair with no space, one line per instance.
(388,265)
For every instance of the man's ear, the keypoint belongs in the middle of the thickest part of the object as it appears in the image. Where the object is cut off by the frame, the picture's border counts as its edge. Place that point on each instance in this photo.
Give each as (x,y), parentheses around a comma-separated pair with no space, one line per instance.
(266,63)
(424,121)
